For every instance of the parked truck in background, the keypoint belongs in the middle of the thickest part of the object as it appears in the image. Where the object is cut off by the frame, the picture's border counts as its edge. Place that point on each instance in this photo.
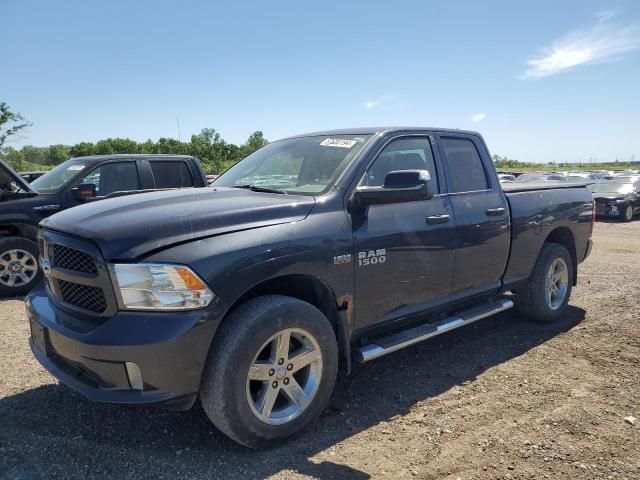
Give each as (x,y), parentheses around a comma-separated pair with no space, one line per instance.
(74,182)
(312,252)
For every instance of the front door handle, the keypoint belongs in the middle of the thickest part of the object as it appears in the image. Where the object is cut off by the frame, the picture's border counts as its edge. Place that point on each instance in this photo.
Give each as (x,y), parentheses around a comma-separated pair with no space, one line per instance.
(435,219)
(494,212)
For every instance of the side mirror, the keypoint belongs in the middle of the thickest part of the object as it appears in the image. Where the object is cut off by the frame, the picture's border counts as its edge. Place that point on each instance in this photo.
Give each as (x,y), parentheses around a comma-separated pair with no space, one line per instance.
(84,191)
(399,186)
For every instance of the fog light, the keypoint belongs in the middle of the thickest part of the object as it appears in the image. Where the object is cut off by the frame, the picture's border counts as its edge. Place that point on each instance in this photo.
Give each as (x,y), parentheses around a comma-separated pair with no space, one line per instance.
(134,374)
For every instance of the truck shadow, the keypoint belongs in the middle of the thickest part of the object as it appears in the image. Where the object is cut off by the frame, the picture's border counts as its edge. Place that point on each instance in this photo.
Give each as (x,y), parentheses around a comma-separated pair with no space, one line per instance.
(106,440)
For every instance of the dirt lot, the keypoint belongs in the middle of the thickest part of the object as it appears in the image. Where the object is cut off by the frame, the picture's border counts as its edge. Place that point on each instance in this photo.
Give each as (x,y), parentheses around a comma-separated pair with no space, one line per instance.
(499,399)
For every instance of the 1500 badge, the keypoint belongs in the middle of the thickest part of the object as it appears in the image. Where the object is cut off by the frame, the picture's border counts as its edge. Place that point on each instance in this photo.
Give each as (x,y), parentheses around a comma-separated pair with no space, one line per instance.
(372,257)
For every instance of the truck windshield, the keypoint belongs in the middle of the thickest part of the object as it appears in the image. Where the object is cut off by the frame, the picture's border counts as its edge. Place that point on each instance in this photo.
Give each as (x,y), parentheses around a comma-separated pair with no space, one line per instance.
(303,166)
(54,180)
(612,187)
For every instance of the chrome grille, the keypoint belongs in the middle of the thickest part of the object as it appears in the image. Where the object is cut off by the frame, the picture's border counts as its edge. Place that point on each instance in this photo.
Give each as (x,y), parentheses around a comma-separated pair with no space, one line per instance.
(77,277)
(83,296)
(72,259)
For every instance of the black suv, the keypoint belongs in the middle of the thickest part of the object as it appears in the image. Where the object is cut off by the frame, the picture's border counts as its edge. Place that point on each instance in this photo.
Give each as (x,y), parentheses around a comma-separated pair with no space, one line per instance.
(74,182)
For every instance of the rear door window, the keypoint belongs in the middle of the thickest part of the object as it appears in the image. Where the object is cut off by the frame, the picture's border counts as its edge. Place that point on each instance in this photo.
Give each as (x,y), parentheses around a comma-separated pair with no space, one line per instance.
(465,165)
(171,174)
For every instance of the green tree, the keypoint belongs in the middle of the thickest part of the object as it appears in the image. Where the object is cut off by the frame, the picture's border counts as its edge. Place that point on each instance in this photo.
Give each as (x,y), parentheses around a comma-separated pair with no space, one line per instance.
(104,147)
(171,145)
(35,154)
(11,123)
(82,149)
(58,154)
(211,149)
(255,141)
(147,147)
(123,145)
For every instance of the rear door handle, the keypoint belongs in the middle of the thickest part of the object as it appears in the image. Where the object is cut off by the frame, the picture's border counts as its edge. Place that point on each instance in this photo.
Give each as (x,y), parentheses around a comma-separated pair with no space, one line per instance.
(434,219)
(494,212)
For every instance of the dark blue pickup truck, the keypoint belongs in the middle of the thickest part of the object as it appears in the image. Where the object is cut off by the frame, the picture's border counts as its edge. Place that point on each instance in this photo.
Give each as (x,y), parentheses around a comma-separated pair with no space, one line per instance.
(312,252)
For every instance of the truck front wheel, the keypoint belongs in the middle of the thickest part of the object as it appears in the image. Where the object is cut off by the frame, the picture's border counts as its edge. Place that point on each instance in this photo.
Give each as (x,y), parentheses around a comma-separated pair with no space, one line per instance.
(19,270)
(545,296)
(271,370)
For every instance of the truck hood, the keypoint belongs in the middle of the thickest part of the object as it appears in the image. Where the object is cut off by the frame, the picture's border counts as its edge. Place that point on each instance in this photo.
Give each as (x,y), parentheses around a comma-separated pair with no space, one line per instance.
(127,227)
(7,175)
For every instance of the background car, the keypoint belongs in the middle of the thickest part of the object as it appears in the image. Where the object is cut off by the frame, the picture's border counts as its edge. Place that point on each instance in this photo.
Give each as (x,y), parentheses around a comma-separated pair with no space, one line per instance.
(616,199)
(31,176)
(75,182)
(506,177)
(544,177)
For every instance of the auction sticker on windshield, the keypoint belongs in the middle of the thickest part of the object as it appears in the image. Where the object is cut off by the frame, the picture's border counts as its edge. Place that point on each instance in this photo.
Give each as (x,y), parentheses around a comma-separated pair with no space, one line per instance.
(338,142)
(75,167)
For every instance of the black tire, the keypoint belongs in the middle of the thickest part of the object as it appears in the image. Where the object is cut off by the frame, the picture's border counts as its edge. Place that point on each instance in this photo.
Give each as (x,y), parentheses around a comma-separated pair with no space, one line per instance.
(626,213)
(20,287)
(531,300)
(223,390)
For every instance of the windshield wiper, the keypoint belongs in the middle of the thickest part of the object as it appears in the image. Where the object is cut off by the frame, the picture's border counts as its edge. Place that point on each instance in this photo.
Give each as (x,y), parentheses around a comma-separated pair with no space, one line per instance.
(256,188)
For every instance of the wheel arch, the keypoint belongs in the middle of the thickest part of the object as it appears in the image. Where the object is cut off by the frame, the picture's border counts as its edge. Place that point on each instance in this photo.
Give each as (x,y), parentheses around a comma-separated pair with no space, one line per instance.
(25,230)
(314,291)
(564,236)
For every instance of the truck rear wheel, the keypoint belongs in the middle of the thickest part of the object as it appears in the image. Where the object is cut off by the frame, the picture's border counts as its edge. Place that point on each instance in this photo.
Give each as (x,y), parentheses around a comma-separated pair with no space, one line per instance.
(270,371)
(19,270)
(545,296)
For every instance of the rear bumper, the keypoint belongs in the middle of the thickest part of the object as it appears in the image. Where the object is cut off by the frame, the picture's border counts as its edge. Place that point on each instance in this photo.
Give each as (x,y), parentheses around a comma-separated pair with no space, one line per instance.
(167,350)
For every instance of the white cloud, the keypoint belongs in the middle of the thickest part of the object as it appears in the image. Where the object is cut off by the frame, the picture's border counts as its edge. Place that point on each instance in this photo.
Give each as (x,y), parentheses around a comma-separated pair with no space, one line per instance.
(478,117)
(604,41)
(385,102)
(605,15)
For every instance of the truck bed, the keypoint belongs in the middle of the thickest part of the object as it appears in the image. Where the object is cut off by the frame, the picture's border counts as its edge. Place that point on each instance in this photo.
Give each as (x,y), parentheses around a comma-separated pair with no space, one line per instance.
(537,210)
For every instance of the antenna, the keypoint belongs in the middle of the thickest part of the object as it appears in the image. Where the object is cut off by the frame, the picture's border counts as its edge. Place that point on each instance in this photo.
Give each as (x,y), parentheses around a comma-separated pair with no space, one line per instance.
(178,122)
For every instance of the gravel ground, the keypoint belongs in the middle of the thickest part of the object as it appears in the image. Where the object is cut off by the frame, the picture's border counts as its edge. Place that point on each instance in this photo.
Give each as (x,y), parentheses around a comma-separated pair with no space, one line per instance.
(502,398)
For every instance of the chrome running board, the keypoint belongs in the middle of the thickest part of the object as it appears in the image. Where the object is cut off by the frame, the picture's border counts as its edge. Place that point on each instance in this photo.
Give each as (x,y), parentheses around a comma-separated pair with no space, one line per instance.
(397,341)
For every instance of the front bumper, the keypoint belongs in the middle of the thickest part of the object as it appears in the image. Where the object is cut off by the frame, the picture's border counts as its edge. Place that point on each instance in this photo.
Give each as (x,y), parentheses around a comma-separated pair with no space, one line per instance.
(169,351)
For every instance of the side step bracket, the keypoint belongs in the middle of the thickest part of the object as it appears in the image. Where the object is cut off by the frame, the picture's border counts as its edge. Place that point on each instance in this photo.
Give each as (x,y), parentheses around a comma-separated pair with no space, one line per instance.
(405,338)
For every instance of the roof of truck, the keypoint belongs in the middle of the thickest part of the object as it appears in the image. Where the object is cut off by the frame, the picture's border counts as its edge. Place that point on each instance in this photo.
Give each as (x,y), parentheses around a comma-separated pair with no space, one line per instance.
(373,130)
(158,156)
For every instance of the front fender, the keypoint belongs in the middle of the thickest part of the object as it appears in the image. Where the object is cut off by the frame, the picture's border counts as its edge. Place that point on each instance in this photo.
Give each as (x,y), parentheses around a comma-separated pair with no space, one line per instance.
(232,264)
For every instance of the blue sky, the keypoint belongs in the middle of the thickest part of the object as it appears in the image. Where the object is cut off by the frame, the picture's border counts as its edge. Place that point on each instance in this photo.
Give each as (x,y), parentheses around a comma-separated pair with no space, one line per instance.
(543,80)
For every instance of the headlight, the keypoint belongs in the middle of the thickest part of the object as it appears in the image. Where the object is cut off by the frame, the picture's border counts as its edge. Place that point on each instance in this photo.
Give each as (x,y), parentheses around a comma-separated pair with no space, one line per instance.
(151,286)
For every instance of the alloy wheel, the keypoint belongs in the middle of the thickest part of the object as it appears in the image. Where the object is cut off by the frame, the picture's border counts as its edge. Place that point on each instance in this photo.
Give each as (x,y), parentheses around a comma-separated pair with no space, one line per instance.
(284,376)
(556,283)
(17,268)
